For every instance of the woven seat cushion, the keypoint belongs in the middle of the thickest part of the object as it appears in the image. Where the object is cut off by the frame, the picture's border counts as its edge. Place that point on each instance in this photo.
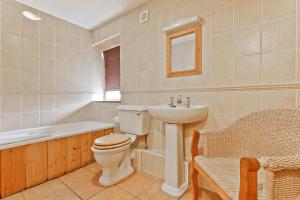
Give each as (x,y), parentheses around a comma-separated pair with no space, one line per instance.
(225,171)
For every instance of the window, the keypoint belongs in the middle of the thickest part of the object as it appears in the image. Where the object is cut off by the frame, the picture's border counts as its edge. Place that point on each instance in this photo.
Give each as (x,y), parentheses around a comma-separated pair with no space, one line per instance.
(112,74)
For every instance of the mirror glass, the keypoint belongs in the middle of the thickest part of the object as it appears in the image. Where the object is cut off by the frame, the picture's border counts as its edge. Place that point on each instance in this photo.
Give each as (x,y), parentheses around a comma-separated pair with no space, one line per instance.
(183,53)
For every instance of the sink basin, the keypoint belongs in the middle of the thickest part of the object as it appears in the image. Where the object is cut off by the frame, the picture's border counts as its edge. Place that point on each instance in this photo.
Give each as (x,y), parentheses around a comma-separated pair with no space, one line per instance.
(176,178)
(180,114)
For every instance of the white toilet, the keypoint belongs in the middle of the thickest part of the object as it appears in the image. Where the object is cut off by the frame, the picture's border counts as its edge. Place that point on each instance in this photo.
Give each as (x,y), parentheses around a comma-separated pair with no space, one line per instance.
(112,152)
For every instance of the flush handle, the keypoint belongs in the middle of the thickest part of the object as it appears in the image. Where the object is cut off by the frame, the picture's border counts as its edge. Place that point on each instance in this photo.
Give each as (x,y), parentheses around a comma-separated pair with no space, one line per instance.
(138,113)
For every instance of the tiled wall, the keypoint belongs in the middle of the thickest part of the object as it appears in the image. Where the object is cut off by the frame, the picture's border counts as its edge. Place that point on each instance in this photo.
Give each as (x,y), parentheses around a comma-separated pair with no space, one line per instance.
(49,70)
(250,58)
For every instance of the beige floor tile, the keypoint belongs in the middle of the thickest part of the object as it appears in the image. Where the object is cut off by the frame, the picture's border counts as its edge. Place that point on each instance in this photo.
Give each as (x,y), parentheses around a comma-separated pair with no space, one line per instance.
(137,183)
(44,190)
(94,167)
(113,193)
(83,182)
(66,194)
(17,196)
(187,196)
(154,192)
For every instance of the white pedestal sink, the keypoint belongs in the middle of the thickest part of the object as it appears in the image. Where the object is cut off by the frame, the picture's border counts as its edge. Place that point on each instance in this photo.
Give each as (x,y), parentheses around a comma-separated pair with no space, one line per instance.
(175,183)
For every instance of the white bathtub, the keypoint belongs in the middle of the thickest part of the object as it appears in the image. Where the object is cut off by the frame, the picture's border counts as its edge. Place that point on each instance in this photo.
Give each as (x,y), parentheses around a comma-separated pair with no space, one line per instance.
(16,138)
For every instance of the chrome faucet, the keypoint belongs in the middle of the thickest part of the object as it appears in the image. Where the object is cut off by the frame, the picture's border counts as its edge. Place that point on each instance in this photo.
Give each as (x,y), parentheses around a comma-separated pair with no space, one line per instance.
(188,102)
(172,104)
(179,100)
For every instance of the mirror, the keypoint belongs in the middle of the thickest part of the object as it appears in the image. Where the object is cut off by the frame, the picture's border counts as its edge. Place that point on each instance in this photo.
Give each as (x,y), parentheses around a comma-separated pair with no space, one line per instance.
(184,52)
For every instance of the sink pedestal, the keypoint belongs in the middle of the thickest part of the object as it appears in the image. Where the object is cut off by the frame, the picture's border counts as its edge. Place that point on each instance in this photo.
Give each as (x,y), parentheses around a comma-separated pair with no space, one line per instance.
(176,178)
(175,184)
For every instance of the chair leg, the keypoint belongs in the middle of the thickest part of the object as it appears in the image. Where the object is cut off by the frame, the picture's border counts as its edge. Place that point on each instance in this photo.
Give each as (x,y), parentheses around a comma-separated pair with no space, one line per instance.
(194,183)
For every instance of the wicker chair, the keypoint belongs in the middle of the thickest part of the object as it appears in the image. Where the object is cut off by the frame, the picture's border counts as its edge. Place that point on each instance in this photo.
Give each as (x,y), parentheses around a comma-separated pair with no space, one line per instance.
(257,157)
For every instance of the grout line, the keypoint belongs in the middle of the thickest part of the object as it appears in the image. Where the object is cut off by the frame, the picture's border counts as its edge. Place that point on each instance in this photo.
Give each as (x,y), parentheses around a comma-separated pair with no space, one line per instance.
(260,53)
(23,195)
(296,56)
(21,67)
(90,169)
(277,18)
(105,188)
(69,188)
(39,71)
(233,56)
(127,191)
(297,39)
(261,42)
(210,43)
(139,193)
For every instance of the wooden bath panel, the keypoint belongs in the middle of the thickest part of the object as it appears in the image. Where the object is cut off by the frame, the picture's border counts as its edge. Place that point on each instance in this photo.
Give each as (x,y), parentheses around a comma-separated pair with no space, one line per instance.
(29,165)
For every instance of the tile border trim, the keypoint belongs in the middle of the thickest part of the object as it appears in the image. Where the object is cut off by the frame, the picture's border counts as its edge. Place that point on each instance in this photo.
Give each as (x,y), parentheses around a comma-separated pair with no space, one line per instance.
(257,87)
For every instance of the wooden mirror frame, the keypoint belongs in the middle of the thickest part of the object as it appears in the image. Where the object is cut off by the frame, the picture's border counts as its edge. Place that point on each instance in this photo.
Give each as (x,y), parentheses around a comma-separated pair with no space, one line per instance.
(197,30)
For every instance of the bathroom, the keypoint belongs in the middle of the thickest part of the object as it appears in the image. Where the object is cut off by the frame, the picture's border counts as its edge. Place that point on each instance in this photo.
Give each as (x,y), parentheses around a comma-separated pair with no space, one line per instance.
(61,103)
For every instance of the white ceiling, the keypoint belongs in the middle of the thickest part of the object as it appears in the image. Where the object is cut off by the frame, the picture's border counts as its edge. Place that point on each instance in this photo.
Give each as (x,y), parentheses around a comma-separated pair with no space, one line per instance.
(84,13)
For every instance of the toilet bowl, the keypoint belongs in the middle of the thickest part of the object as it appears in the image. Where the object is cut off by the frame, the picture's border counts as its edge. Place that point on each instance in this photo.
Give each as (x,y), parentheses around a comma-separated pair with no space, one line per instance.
(115,160)
(112,152)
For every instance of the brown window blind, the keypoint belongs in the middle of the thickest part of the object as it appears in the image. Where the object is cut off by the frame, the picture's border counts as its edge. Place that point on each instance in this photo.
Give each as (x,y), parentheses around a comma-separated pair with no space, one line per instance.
(112,69)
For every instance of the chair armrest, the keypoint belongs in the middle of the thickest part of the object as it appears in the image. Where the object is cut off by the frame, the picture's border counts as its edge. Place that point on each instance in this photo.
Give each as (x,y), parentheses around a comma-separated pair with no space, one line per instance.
(248,178)
(280,163)
(195,142)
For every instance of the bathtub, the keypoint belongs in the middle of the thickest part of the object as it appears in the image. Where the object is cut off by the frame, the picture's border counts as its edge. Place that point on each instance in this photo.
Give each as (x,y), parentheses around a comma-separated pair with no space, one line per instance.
(9,139)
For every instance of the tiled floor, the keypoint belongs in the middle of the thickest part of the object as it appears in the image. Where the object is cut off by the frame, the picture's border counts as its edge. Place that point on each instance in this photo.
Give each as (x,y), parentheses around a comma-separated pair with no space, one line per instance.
(83,184)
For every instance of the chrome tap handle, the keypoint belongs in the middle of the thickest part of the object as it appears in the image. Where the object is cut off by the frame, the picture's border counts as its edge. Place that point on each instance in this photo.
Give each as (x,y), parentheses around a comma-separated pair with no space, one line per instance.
(188,102)
(172,102)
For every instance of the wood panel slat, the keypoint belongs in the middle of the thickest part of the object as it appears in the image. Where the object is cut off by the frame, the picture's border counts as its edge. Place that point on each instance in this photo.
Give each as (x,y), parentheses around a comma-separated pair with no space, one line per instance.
(57,158)
(12,171)
(97,134)
(0,173)
(36,164)
(108,131)
(73,153)
(86,152)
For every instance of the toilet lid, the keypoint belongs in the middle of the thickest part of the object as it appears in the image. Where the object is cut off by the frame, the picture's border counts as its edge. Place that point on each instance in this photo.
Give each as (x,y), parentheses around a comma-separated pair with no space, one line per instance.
(111,140)
(111,146)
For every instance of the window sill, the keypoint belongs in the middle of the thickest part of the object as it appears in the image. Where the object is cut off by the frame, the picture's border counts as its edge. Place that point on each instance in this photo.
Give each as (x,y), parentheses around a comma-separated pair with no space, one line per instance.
(109,101)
